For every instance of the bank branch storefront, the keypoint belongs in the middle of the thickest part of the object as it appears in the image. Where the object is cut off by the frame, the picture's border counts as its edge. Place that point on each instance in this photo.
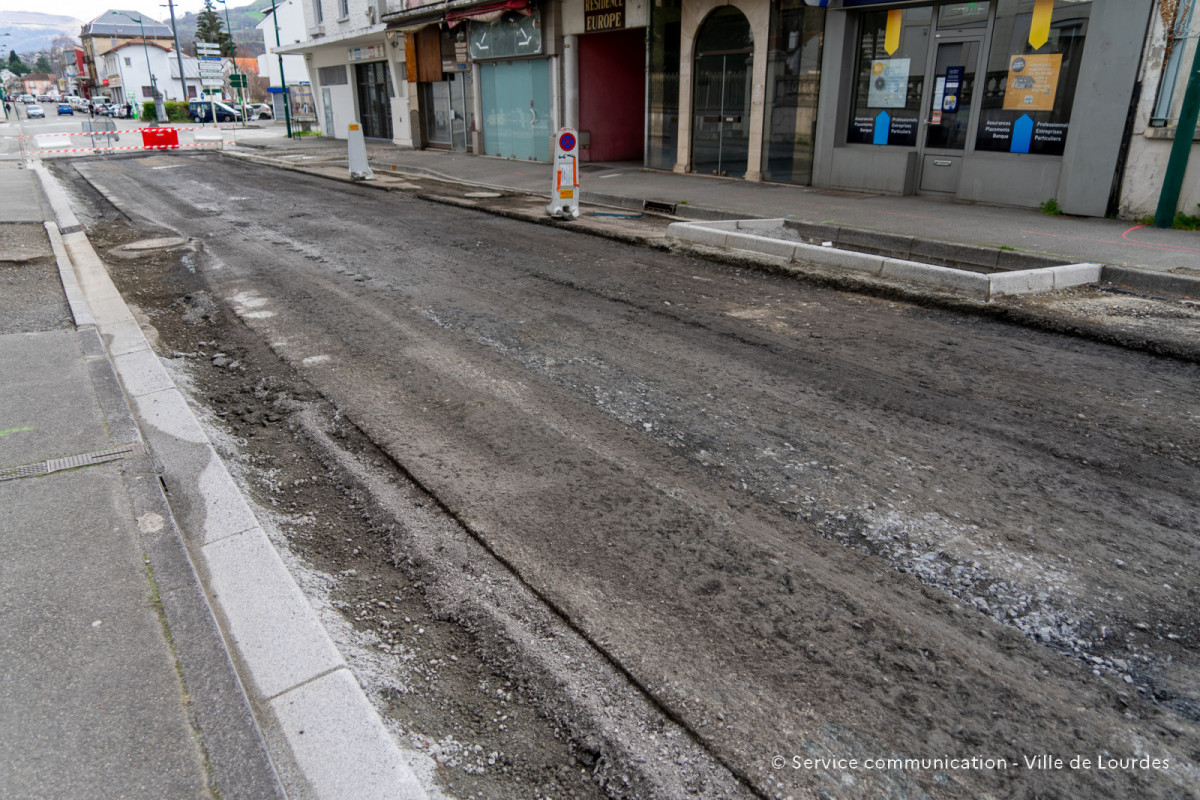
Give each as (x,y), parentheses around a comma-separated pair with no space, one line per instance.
(1005,101)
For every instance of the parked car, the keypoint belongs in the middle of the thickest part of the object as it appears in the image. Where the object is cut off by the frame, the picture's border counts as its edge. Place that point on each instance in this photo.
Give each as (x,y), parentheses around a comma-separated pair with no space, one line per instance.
(34,110)
(65,108)
(202,111)
(259,111)
(27,99)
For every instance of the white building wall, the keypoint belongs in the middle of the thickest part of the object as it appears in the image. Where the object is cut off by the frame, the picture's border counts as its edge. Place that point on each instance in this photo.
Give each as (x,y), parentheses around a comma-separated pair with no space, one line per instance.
(134,75)
(341,96)
(1150,147)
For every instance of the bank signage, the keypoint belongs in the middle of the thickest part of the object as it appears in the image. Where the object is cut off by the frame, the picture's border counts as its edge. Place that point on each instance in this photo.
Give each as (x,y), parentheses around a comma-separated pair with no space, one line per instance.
(603,15)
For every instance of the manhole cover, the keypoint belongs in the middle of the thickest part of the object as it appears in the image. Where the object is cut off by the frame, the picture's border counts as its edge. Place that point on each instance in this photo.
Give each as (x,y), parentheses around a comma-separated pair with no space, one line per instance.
(482,195)
(162,243)
(140,248)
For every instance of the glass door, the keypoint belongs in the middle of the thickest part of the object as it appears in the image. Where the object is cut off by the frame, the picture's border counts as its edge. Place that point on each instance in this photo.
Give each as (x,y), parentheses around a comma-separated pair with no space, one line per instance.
(374,99)
(721,94)
(950,97)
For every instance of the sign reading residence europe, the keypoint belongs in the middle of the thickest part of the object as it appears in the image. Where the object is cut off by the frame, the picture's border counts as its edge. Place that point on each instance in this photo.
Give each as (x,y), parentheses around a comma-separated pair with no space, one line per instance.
(603,15)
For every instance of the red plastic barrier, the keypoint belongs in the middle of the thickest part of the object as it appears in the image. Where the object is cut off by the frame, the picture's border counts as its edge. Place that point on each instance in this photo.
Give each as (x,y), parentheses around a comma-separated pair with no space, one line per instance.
(160,137)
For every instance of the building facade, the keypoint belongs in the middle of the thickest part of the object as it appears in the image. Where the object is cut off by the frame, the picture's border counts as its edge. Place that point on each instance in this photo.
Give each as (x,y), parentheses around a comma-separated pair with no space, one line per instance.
(1169,55)
(108,31)
(352,64)
(1014,102)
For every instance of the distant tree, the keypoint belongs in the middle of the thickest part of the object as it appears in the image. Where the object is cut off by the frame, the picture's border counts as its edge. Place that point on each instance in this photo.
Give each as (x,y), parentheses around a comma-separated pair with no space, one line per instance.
(42,64)
(210,28)
(16,65)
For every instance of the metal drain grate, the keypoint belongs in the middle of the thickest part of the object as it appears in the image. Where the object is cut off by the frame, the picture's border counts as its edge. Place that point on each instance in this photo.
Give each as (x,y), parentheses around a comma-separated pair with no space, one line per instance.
(72,462)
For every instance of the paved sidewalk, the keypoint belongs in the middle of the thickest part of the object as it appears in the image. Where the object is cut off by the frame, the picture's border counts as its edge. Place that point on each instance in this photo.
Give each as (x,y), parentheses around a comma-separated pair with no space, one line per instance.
(628,186)
(91,702)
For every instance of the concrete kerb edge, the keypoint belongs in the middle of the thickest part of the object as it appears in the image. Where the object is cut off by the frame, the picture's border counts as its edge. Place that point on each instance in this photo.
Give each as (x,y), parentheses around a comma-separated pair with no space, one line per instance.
(1168,283)
(317,768)
(728,235)
(76,301)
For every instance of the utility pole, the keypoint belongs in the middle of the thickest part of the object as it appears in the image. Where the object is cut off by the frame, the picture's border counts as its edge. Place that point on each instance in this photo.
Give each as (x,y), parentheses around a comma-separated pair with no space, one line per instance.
(1181,149)
(287,100)
(178,52)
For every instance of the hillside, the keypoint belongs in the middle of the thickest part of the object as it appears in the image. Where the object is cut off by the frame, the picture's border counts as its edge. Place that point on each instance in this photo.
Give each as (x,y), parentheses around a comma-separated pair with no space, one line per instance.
(33,32)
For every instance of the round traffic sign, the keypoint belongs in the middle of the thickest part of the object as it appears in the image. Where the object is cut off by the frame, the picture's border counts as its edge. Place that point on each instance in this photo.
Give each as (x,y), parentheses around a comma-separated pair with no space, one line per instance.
(567,141)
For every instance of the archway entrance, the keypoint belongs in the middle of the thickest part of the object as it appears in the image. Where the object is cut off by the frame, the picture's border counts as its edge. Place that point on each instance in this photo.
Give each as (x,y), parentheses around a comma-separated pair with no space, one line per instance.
(721,94)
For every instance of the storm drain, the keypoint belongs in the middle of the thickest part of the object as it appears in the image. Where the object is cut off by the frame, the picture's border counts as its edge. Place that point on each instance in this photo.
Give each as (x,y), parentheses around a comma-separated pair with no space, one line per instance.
(72,462)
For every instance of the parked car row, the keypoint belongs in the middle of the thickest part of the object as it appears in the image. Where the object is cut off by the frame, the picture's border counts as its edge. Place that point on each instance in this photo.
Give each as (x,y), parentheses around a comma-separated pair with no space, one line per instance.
(198,110)
(227,111)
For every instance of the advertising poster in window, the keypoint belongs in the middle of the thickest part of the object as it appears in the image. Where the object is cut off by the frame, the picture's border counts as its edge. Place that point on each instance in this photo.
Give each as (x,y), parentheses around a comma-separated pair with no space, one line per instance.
(304,106)
(889,83)
(1032,82)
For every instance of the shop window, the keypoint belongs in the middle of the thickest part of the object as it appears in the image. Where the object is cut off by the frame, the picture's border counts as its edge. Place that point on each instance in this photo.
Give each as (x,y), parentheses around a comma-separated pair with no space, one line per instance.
(1178,21)
(332,76)
(663,99)
(889,77)
(793,81)
(1032,71)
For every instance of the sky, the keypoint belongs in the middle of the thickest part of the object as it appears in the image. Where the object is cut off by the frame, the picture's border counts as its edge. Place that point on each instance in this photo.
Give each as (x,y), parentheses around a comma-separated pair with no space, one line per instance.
(90,9)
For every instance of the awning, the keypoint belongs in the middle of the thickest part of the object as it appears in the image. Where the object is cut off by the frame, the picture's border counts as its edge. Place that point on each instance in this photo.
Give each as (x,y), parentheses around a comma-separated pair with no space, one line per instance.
(452,12)
(488,12)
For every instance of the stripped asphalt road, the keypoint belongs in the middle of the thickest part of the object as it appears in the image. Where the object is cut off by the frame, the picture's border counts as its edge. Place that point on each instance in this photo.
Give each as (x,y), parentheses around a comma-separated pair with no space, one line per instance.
(806,524)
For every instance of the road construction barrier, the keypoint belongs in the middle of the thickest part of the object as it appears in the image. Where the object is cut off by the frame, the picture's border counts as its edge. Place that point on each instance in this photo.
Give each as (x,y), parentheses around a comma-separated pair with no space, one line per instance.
(160,138)
(152,138)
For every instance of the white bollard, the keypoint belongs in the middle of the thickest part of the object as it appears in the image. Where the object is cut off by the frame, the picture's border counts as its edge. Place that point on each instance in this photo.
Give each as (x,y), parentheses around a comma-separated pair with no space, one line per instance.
(360,170)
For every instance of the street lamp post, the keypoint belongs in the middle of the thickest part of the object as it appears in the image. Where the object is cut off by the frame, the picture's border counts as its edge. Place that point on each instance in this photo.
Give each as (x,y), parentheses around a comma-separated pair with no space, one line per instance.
(159,111)
(287,101)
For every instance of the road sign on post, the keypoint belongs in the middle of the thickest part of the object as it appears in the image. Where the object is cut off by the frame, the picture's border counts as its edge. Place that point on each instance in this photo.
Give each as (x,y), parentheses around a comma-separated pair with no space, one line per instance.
(564,192)
(238,81)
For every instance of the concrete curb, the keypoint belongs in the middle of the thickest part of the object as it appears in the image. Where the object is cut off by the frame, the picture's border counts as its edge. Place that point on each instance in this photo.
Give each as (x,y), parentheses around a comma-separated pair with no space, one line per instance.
(740,236)
(316,713)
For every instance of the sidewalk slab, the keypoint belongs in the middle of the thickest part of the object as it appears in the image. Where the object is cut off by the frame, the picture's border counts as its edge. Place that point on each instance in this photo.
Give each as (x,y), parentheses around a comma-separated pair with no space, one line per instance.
(48,408)
(90,703)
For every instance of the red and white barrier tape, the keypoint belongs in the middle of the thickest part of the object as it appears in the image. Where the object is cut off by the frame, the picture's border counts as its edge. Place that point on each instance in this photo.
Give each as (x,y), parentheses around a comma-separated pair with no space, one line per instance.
(131,131)
(111,149)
